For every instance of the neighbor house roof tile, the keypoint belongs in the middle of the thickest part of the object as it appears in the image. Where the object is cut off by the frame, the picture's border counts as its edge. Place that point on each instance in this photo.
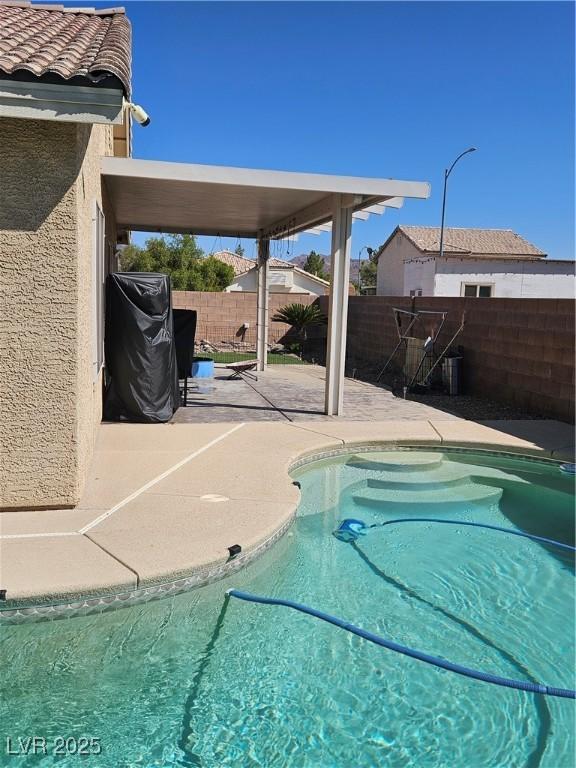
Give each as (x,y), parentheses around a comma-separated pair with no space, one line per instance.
(68,42)
(241,264)
(471,242)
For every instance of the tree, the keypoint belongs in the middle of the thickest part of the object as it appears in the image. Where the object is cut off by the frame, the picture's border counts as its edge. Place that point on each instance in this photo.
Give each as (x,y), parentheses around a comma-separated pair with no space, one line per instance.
(180,257)
(300,317)
(212,275)
(239,250)
(314,264)
(368,270)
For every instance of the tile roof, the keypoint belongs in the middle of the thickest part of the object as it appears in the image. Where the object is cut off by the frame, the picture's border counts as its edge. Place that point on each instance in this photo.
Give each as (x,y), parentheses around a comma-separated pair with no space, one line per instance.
(471,242)
(68,42)
(241,264)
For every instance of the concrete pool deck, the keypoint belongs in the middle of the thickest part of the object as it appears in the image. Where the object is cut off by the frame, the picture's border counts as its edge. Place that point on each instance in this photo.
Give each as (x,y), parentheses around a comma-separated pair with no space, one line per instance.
(164,502)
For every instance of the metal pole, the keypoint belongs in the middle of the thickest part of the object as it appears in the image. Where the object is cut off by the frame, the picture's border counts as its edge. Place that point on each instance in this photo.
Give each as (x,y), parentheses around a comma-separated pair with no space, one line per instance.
(441,253)
(262,304)
(447,173)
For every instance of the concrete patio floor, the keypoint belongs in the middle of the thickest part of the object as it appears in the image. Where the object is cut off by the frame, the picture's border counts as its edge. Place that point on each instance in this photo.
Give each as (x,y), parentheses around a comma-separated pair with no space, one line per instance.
(164,502)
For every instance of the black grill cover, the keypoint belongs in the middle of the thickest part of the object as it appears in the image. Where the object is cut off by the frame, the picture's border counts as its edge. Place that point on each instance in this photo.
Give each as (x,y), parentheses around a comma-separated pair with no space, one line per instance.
(140,349)
(184,333)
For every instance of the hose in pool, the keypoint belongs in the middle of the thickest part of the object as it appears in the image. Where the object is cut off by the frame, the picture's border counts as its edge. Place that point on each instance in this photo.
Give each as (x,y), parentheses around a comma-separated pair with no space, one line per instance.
(474,525)
(392,646)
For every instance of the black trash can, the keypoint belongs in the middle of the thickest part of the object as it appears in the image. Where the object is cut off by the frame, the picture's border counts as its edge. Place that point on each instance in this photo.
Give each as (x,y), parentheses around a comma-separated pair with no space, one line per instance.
(452,375)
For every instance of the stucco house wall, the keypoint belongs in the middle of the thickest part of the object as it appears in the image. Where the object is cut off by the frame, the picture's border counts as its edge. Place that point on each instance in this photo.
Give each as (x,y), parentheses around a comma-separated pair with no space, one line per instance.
(390,274)
(280,281)
(419,276)
(247,281)
(545,279)
(50,180)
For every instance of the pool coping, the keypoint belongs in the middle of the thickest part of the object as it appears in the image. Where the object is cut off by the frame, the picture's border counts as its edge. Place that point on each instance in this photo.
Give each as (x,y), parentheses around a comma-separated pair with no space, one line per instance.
(345,438)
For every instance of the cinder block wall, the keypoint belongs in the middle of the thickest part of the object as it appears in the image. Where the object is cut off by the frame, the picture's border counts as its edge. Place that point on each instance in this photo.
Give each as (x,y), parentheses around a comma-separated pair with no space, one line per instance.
(517,351)
(222,314)
(50,403)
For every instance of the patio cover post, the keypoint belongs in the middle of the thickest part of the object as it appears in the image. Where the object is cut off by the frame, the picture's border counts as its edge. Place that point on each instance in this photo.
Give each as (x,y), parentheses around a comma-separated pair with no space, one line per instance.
(338,306)
(262,304)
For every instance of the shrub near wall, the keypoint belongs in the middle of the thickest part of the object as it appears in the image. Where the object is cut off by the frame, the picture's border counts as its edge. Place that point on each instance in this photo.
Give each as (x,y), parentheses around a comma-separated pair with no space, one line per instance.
(517,351)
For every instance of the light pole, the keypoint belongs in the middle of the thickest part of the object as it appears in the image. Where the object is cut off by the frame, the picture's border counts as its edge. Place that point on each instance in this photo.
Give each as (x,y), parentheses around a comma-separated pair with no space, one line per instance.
(447,173)
(369,251)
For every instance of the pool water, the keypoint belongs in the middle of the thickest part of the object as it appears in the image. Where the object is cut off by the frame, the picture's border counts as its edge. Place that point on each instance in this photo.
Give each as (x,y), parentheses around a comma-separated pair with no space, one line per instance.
(195,680)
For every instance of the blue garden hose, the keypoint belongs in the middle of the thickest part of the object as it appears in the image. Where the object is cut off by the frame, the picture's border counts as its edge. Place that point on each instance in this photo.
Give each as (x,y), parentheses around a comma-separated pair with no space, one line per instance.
(392,646)
(350,529)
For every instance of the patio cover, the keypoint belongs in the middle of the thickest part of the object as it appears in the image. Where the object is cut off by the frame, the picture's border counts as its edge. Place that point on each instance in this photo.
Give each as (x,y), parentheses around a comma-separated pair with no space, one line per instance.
(150,195)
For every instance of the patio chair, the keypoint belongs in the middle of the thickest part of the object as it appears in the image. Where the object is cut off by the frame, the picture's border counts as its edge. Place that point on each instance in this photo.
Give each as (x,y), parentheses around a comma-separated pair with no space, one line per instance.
(244,368)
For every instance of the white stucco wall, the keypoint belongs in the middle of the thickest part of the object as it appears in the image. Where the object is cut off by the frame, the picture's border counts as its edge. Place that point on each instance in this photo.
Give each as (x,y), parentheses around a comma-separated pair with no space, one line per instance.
(245,282)
(305,284)
(419,276)
(391,266)
(281,281)
(511,279)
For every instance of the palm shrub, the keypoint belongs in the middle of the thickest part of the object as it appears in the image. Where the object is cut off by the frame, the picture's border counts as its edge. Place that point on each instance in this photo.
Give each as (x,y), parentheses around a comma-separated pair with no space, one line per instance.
(300,317)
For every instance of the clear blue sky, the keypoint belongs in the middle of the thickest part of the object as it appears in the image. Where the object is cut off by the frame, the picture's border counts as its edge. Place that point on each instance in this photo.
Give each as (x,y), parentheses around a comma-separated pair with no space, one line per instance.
(388,89)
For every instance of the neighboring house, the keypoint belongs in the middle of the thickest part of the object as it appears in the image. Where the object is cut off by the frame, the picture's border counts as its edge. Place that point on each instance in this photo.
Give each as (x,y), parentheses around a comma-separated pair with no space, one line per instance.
(283,276)
(476,263)
(64,75)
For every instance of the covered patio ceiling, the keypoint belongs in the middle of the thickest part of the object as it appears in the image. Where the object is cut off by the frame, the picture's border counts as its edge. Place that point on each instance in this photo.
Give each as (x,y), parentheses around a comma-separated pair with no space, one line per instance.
(150,195)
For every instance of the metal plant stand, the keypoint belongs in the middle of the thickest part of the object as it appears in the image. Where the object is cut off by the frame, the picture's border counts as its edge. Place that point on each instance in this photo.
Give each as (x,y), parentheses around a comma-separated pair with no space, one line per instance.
(421,357)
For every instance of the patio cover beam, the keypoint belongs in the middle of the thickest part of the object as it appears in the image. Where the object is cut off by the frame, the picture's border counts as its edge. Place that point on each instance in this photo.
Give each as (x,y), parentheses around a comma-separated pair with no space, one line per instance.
(338,307)
(262,304)
(314,216)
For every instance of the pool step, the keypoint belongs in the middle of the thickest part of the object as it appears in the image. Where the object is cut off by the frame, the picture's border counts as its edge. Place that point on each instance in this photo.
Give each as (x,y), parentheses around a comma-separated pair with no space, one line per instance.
(445,475)
(419,483)
(395,461)
(443,472)
(433,500)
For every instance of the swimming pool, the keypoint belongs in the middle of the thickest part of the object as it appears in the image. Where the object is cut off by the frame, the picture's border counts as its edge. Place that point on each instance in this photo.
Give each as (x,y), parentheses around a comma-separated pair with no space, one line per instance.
(197,681)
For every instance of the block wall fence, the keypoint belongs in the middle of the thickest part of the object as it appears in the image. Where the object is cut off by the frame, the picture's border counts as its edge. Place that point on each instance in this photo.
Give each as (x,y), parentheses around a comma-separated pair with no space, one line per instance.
(221,315)
(516,351)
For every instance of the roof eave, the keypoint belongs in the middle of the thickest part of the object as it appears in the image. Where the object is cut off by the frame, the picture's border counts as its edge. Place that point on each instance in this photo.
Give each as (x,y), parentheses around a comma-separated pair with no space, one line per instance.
(493,256)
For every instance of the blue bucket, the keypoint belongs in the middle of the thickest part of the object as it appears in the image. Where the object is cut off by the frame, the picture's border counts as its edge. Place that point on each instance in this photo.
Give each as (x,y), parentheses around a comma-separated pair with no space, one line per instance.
(202,368)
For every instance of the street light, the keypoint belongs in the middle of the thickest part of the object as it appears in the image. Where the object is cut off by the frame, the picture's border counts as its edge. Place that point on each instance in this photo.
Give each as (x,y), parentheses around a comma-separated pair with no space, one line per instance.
(447,173)
(369,251)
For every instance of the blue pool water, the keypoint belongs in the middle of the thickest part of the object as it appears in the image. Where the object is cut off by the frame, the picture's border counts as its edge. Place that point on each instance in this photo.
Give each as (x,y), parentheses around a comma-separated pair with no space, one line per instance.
(191,681)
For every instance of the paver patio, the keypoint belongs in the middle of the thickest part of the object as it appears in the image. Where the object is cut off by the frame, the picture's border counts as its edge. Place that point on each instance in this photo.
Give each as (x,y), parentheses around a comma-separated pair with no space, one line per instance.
(293,393)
